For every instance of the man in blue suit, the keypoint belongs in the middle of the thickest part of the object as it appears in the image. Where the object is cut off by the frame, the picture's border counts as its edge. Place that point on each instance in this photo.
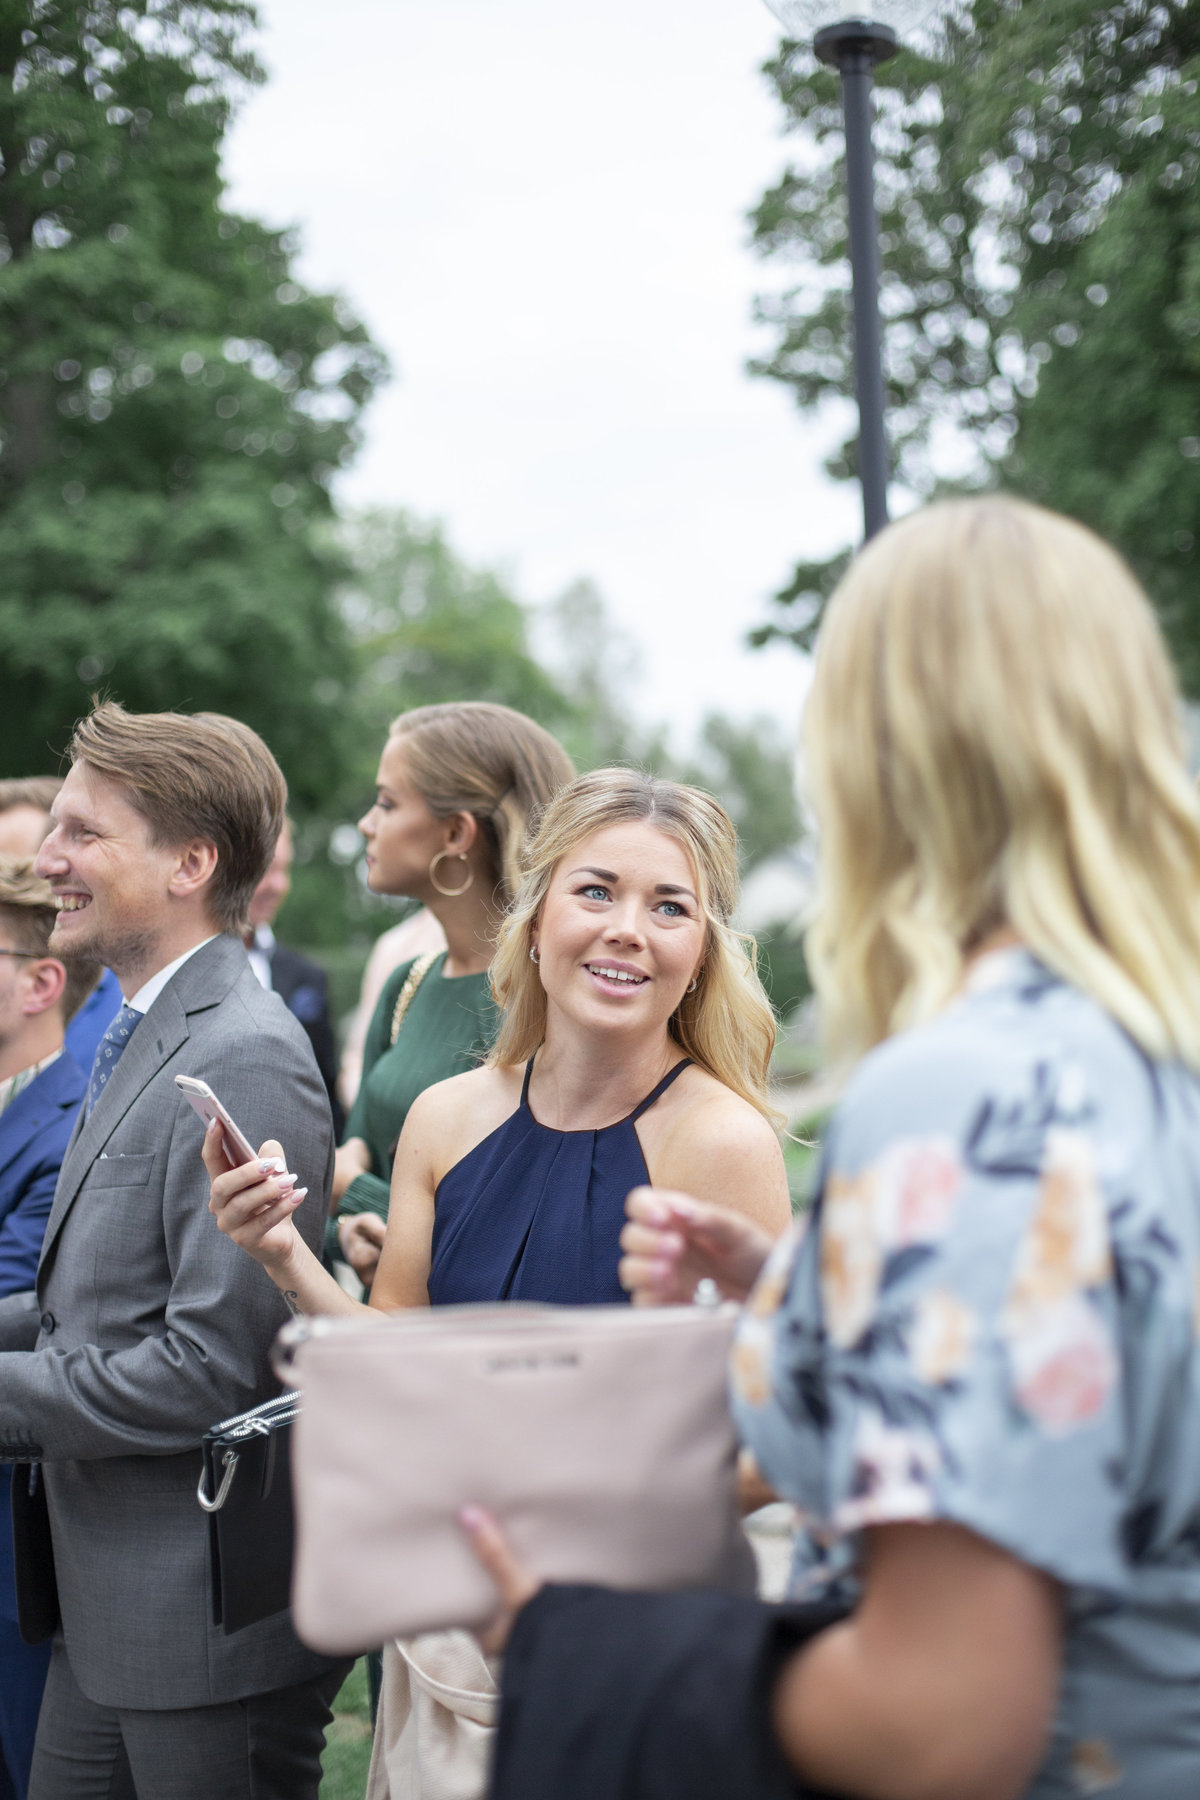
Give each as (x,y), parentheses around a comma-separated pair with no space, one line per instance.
(41,1086)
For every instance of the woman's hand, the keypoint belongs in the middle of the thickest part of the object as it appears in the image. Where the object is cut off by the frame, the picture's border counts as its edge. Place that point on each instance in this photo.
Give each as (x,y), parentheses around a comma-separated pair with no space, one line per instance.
(361,1239)
(351,1159)
(514,1584)
(253,1204)
(672,1243)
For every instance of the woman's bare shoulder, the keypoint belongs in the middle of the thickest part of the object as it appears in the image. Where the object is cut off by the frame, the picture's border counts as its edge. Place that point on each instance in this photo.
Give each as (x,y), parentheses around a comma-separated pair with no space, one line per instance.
(719,1147)
(715,1116)
(454,1115)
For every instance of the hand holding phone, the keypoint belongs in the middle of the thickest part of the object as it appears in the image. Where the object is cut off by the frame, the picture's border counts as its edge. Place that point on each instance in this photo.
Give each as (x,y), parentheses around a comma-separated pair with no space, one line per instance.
(198,1094)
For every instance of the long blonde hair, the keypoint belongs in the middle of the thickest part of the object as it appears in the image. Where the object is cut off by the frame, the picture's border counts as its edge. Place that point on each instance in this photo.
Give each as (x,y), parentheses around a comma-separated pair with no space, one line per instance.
(472,756)
(993,738)
(726,1024)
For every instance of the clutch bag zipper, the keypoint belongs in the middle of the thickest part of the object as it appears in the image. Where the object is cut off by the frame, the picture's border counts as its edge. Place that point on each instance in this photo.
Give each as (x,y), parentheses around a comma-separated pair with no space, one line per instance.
(242,1427)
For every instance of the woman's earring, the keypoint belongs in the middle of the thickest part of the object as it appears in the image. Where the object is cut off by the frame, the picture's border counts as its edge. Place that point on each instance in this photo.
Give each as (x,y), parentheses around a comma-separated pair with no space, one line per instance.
(450,893)
(693,984)
(533,954)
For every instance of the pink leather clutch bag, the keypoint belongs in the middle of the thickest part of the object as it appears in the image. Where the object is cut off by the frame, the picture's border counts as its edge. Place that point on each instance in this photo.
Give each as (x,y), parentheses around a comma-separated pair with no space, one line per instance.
(599,1436)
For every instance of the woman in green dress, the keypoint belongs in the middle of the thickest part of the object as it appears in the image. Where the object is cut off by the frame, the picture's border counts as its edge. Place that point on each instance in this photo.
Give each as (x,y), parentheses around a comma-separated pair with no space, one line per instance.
(456,787)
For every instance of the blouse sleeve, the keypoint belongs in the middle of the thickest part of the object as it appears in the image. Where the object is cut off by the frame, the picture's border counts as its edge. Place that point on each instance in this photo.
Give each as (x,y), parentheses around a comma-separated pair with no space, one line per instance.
(945,1344)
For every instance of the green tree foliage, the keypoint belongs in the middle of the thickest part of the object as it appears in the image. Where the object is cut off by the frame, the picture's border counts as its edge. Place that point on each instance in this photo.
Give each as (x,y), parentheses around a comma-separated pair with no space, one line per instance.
(596,666)
(173,403)
(1037,184)
(749,765)
(428,627)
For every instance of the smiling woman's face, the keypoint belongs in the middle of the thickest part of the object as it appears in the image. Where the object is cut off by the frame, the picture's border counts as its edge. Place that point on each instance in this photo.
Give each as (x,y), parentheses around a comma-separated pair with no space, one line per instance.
(621,932)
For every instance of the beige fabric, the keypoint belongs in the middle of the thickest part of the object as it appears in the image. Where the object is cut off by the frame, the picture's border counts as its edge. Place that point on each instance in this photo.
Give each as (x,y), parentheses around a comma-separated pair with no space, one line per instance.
(437,1717)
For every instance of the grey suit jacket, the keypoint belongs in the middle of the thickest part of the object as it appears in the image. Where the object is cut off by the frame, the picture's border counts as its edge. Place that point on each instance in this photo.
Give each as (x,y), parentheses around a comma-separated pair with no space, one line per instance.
(154,1326)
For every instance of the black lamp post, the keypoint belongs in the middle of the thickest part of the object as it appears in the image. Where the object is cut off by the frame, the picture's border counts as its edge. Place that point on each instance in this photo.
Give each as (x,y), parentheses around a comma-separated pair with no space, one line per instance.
(854,46)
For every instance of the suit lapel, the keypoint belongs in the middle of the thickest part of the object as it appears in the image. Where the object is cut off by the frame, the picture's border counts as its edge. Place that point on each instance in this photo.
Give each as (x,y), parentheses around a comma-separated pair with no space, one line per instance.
(203,981)
(157,1038)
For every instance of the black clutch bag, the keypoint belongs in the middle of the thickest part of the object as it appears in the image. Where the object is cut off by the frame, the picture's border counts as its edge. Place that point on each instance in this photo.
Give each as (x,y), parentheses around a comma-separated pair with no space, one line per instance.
(33,1555)
(246,1490)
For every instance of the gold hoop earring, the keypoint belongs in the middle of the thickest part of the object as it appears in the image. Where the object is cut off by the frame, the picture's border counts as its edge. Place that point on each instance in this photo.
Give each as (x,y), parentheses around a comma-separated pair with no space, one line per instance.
(450,893)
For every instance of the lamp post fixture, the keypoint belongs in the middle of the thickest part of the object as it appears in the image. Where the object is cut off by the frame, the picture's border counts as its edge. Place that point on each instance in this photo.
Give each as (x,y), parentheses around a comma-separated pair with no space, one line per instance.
(854,46)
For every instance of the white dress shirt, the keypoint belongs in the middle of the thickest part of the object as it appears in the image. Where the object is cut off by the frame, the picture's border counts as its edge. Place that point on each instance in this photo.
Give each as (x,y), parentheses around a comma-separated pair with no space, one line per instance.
(149,991)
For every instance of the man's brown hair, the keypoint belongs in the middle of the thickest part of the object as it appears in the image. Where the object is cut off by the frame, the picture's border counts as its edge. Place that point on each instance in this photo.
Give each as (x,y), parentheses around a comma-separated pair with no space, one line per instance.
(27,914)
(38,791)
(197,775)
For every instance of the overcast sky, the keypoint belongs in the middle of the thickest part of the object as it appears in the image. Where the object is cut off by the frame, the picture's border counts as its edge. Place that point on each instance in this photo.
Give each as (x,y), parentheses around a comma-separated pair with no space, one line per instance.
(539,210)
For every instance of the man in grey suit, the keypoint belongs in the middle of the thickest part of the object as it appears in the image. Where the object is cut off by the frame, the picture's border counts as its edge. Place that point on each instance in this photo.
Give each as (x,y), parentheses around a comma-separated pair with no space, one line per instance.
(153,1326)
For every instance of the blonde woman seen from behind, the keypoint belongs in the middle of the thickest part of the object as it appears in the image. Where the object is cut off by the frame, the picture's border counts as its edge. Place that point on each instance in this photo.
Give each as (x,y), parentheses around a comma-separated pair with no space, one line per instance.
(977,1372)
(1020,768)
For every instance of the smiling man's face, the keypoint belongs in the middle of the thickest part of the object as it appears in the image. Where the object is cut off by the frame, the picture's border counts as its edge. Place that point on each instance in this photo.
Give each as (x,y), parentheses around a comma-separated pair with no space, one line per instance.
(109,880)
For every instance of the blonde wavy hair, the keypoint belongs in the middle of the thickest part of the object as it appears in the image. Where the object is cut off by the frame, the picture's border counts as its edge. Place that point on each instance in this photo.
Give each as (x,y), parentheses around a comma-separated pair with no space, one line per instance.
(993,738)
(726,1025)
(494,763)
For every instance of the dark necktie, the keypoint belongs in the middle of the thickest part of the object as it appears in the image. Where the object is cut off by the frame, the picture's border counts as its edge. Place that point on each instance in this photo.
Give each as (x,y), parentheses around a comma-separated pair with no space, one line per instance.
(109,1053)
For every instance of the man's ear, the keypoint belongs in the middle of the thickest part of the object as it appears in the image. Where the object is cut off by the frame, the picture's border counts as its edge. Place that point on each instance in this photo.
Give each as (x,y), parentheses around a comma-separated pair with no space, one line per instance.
(462,833)
(44,988)
(195,866)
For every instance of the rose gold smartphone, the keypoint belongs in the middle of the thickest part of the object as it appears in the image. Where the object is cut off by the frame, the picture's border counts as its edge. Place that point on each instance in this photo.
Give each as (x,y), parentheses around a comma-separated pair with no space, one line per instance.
(198,1094)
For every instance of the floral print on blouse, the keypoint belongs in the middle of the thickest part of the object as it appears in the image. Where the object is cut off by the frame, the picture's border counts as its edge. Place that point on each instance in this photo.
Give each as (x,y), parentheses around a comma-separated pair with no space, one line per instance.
(991,1317)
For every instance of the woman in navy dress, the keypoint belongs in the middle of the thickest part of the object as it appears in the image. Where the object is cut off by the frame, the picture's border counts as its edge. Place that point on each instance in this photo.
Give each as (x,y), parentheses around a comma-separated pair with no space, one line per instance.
(634,1047)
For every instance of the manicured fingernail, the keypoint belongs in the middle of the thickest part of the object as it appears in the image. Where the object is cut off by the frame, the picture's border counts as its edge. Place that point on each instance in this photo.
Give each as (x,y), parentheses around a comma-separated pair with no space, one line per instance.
(211,1126)
(269,1166)
(298,1196)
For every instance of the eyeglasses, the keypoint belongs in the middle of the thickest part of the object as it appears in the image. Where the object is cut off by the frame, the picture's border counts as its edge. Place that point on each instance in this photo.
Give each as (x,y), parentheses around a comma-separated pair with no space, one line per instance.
(33,955)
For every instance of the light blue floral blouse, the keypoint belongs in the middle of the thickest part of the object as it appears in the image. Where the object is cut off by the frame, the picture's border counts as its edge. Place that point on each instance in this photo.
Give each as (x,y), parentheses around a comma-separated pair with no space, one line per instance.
(992,1317)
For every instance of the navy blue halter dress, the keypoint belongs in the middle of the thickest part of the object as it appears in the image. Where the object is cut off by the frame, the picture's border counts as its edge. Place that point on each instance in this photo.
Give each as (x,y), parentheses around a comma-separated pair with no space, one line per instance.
(536,1214)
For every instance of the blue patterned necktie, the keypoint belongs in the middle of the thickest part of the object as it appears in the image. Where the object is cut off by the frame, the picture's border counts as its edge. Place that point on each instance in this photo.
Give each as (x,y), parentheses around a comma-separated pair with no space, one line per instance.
(109,1052)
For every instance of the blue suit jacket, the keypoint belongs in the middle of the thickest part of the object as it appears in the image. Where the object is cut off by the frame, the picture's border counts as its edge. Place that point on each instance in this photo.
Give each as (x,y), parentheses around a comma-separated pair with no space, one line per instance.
(34,1133)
